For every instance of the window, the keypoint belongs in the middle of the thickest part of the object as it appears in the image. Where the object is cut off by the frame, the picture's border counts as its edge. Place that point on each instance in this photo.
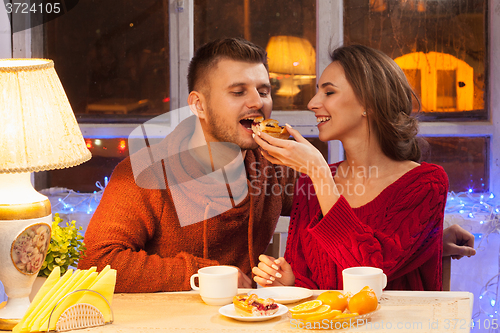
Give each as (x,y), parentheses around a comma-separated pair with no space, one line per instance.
(113,60)
(285,28)
(443,40)
(441,47)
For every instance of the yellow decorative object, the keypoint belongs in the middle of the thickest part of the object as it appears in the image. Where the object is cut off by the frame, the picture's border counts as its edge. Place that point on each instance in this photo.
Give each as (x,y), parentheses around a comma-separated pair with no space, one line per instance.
(25,324)
(46,287)
(106,287)
(69,301)
(58,295)
(65,289)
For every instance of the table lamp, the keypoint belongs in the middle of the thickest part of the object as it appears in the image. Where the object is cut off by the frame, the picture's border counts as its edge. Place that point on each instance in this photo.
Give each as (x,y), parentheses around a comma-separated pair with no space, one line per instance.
(292,61)
(38,131)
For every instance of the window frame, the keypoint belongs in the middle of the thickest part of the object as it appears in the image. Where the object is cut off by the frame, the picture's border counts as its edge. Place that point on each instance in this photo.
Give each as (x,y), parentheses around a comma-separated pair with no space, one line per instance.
(329,33)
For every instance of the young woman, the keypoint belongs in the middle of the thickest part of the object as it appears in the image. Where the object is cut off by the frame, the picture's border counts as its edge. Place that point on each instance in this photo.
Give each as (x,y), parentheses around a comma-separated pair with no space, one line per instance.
(379,207)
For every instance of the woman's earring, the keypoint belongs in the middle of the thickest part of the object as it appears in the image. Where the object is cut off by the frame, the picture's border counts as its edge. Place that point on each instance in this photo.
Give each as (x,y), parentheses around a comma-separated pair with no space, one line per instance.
(364,113)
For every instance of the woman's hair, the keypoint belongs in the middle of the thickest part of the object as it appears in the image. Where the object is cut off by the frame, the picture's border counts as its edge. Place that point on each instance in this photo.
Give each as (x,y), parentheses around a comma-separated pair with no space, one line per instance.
(208,55)
(382,88)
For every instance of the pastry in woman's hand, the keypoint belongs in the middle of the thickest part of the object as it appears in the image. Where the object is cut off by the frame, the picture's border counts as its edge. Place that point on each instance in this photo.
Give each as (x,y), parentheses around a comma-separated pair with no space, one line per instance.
(271,127)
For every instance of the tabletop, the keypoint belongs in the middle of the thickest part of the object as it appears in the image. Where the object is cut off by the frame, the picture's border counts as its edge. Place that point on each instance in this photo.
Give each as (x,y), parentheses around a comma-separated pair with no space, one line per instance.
(401,311)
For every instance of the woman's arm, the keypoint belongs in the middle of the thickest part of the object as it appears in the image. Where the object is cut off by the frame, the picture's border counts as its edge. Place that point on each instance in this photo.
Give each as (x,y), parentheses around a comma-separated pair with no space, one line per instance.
(303,157)
(404,236)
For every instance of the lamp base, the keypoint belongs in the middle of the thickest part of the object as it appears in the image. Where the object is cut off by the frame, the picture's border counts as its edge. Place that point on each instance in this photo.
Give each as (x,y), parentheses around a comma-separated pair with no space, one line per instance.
(8,324)
(25,233)
(23,245)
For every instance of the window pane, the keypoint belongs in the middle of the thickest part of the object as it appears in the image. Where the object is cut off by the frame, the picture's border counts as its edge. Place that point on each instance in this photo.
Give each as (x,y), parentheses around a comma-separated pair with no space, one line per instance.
(112,58)
(439,44)
(286,28)
(463,158)
(106,154)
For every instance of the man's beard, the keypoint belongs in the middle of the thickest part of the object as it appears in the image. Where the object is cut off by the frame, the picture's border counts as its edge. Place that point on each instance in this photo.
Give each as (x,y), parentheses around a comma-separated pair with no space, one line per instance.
(218,130)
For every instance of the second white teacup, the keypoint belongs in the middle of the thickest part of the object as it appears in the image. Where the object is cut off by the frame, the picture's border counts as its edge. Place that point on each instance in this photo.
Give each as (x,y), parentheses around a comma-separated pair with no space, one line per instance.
(218,284)
(356,278)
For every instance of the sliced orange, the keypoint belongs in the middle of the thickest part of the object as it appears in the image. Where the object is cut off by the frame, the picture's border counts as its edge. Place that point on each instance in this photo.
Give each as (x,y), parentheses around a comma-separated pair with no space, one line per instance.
(327,315)
(318,311)
(308,306)
(346,315)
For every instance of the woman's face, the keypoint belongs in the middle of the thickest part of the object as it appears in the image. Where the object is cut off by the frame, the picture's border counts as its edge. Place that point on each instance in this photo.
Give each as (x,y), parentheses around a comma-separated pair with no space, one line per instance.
(338,112)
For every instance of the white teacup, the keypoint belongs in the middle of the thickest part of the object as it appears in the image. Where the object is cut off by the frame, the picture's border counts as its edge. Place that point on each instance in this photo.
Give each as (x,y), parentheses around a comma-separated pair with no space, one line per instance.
(218,284)
(356,278)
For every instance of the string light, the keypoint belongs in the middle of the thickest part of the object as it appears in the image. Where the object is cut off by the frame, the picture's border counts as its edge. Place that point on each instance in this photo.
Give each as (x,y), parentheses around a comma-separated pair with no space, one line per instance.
(472,206)
(75,202)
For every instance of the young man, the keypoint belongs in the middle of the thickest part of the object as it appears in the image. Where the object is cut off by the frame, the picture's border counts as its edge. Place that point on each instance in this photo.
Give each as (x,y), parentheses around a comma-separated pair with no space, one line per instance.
(202,196)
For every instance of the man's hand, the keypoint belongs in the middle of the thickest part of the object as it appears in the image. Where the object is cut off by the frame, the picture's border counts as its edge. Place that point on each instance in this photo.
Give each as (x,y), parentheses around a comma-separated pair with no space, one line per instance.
(457,242)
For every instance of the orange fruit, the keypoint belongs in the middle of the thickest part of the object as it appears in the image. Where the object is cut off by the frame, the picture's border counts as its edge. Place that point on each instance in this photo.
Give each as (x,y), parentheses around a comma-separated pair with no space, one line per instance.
(346,315)
(327,315)
(363,302)
(336,299)
(304,315)
(308,306)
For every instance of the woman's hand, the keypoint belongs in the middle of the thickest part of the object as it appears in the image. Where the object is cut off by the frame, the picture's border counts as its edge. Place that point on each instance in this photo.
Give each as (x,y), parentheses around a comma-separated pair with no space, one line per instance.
(300,155)
(273,272)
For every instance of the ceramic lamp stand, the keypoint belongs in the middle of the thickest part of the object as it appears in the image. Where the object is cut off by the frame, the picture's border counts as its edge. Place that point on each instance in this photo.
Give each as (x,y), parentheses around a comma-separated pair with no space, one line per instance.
(25,229)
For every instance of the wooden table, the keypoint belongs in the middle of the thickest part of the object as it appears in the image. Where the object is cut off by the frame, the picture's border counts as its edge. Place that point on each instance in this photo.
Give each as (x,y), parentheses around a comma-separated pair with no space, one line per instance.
(400,311)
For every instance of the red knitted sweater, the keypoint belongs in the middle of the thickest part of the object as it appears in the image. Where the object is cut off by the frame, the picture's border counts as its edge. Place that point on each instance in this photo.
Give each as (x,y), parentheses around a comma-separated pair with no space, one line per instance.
(400,231)
(137,231)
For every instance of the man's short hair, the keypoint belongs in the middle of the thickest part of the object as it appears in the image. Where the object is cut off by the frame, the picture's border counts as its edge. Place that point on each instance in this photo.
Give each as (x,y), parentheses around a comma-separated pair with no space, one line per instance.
(207,57)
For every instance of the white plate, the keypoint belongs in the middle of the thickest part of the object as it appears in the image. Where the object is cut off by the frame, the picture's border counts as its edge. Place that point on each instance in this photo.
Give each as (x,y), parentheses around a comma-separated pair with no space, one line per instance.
(283,295)
(229,311)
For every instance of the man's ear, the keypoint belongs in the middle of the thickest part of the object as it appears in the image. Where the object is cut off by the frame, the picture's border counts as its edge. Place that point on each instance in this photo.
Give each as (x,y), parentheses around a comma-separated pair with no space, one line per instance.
(197,104)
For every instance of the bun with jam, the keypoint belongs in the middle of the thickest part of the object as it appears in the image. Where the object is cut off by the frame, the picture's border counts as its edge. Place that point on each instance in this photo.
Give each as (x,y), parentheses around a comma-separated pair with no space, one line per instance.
(271,127)
(254,306)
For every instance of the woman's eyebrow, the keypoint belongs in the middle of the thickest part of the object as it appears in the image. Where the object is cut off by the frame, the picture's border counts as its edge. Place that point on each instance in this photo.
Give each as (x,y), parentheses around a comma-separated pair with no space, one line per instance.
(326,84)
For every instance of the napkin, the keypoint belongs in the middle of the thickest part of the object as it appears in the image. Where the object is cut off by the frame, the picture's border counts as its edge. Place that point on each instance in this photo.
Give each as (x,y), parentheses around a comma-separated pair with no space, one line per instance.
(56,287)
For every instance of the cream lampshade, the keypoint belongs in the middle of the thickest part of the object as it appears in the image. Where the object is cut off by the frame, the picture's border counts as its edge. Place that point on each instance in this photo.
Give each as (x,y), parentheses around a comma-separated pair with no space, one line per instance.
(292,60)
(38,131)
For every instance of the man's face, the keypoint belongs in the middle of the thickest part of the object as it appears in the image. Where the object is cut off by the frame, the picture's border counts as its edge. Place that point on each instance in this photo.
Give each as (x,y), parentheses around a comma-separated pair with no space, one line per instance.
(238,92)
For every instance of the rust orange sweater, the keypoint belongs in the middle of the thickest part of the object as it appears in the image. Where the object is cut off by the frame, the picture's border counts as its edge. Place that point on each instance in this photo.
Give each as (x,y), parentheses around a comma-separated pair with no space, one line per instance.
(137,230)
